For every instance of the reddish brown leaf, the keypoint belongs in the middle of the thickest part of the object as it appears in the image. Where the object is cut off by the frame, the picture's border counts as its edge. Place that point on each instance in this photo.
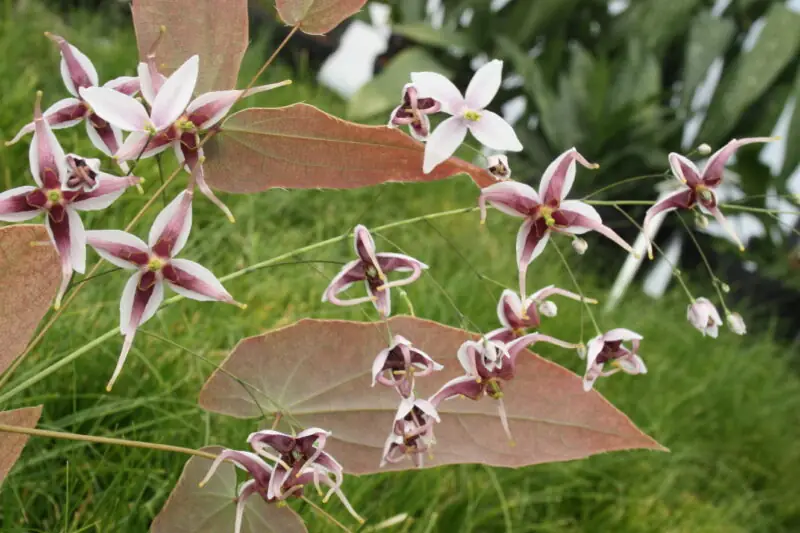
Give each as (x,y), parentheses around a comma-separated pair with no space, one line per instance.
(11,444)
(212,509)
(301,147)
(317,16)
(30,275)
(318,371)
(217,31)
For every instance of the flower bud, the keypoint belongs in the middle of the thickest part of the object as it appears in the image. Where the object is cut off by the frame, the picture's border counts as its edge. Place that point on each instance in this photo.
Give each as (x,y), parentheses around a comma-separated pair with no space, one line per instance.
(704,316)
(700,220)
(704,149)
(736,323)
(581,351)
(579,245)
(548,308)
(498,167)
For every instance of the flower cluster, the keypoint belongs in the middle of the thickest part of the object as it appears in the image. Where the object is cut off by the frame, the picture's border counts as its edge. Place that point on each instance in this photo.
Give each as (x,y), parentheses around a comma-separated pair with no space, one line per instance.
(295,462)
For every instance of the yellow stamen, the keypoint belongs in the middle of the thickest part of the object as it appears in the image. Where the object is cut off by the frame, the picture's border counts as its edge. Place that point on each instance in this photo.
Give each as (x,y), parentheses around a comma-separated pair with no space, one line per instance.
(472,116)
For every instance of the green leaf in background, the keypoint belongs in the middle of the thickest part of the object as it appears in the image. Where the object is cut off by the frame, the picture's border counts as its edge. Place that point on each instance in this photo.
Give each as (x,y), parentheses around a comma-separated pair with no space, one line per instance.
(753,73)
(383,93)
(528,19)
(424,33)
(709,38)
(793,136)
(655,22)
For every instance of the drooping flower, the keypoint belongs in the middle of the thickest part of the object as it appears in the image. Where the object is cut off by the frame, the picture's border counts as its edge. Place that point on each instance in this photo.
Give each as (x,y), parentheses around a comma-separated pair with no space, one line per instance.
(700,186)
(547,211)
(704,316)
(78,73)
(609,348)
(398,365)
(579,245)
(372,267)
(736,323)
(468,113)
(517,316)
(174,121)
(412,432)
(155,265)
(64,186)
(498,167)
(413,112)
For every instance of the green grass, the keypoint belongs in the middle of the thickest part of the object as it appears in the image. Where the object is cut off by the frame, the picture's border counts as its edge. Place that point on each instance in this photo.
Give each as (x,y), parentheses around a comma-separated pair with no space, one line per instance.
(728,409)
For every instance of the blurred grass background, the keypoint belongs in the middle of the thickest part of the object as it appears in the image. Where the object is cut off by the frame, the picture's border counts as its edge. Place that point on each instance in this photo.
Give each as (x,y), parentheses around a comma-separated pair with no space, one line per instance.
(728,409)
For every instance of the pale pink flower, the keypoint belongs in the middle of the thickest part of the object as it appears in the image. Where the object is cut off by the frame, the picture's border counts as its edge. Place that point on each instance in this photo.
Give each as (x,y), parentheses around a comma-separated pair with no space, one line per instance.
(155,265)
(736,323)
(413,112)
(547,211)
(371,268)
(468,113)
(78,73)
(704,316)
(700,186)
(609,348)
(65,184)
(498,167)
(412,432)
(398,365)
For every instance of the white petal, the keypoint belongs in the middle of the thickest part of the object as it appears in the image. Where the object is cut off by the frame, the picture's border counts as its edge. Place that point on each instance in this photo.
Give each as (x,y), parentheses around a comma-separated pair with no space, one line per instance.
(77,241)
(522,237)
(621,334)
(98,141)
(85,63)
(492,131)
(434,85)
(584,209)
(103,201)
(175,94)
(511,299)
(164,218)
(146,83)
(443,142)
(95,237)
(593,349)
(126,304)
(377,364)
(224,100)
(55,148)
(466,357)
(203,274)
(120,110)
(17,217)
(484,85)
(427,407)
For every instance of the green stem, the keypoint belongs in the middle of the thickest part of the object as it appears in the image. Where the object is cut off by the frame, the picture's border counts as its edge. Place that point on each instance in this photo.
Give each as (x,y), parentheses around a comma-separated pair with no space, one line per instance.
(618,202)
(584,300)
(623,182)
(715,281)
(749,209)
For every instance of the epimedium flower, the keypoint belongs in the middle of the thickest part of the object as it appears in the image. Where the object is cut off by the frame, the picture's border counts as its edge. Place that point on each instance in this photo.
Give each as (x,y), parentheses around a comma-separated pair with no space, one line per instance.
(498,167)
(736,323)
(609,348)
(155,265)
(413,112)
(412,432)
(547,211)
(468,112)
(517,316)
(372,267)
(398,365)
(65,184)
(704,316)
(78,72)
(700,186)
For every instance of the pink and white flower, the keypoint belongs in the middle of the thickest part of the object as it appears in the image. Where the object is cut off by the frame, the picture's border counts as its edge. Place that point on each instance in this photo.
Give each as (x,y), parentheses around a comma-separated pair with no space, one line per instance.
(468,113)
(398,365)
(609,348)
(498,167)
(704,316)
(78,73)
(155,265)
(736,323)
(371,268)
(700,186)
(65,184)
(547,211)
(412,432)
(413,112)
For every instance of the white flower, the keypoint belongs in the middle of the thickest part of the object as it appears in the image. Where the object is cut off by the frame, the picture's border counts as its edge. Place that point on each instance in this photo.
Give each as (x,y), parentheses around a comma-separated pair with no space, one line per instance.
(469,113)
(704,316)
(548,308)
(736,323)
(579,245)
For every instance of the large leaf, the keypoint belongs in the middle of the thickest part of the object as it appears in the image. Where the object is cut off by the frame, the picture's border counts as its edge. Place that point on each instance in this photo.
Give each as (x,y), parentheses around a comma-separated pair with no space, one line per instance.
(318,373)
(11,444)
(217,31)
(211,509)
(317,16)
(301,147)
(753,73)
(382,93)
(30,278)
(709,38)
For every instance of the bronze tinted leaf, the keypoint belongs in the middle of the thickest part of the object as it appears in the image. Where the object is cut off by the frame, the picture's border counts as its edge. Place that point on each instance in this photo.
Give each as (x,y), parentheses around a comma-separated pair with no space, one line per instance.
(11,444)
(212,509)
(319,372)
(317,16)
(216,31)
(30,279)
(301,147)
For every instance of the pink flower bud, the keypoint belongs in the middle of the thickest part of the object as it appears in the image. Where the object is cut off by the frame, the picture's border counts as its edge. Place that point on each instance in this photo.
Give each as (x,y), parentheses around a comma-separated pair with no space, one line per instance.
(736,323)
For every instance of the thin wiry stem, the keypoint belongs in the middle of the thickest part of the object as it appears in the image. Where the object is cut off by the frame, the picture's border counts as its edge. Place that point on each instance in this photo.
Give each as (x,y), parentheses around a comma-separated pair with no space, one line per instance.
(715,281)
(584,300)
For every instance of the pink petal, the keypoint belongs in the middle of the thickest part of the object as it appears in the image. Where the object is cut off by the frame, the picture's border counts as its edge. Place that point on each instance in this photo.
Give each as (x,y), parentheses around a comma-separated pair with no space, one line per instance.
(509,310)
(108,189)
(175,94)
(140,145)
(129,85)
(526,341)
(531,241)
(510,197)
(62,114)
(209,108)
(119,248)
(350,273)
(382,300)
(171,228)
(121,110)
(364,244)
(715,167)
(378,363)
(200,180)
(621,334)
(107,138)
(434,85)
(443,142)
(77,70)
(582,216)
(45,155)
(593,349)
(684,199)
(727,226)
(559,176)
(147,75)
(484,85)
(493,131)
(684,169)
(14,206)
(551,290)
(195,281)
(391,262)
(69,239)
(465,386)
